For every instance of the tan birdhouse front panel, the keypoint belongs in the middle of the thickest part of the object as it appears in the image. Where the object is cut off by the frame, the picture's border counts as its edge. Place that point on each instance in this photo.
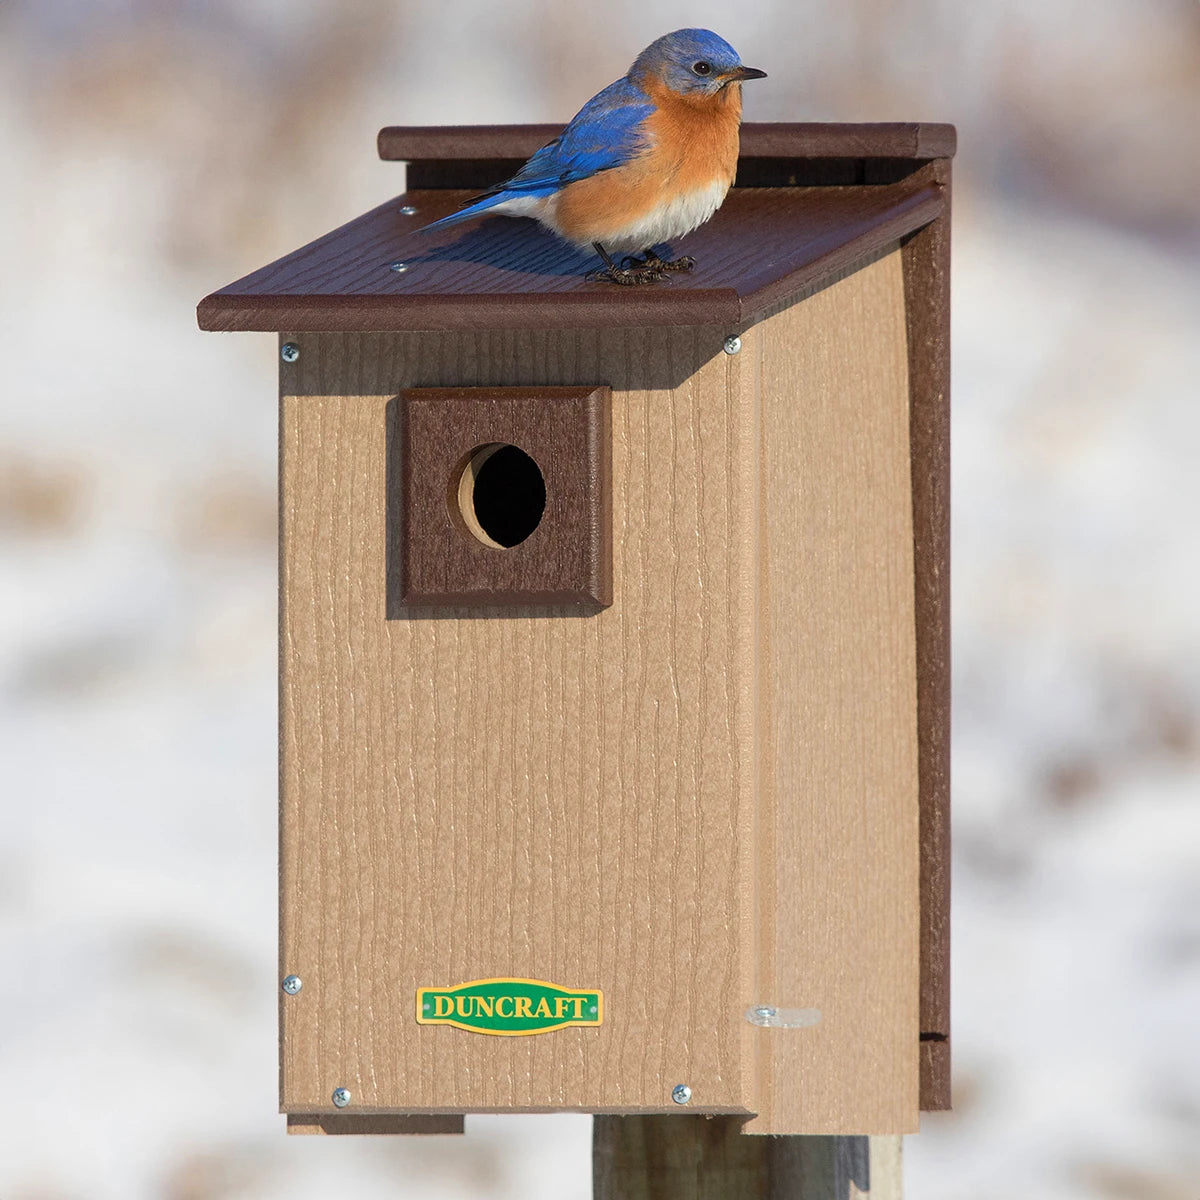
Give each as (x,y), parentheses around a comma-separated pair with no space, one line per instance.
(612,672)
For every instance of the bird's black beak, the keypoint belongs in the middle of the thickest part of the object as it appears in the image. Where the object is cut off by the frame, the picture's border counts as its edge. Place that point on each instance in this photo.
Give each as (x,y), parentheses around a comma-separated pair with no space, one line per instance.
(738,74)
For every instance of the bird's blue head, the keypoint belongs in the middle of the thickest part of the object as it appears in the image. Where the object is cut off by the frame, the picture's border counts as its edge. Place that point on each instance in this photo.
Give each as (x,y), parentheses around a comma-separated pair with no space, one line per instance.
(692,62)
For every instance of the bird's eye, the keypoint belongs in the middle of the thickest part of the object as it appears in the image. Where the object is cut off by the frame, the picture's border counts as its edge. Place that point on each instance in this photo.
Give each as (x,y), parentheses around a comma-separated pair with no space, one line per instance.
(702,68)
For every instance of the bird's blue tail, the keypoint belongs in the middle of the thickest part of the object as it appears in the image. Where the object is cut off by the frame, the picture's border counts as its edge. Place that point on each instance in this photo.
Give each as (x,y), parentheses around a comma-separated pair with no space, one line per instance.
(472,210)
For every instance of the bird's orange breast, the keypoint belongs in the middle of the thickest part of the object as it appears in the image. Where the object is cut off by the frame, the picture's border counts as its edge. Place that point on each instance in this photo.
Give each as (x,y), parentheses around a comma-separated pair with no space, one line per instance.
(695,139)
(692,145)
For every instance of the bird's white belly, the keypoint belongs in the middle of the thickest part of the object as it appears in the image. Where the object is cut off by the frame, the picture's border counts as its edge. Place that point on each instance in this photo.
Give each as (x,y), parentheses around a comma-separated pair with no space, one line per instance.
(668,221)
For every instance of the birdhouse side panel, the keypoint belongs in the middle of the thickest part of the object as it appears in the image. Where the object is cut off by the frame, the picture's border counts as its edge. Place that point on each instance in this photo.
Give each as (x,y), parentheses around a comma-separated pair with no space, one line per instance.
(839,797)
(534,793)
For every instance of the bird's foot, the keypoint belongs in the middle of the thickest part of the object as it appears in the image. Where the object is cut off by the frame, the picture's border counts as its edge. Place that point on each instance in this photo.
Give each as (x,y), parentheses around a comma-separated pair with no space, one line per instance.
(651,260)
(633,270)
(685,263)
(627,276)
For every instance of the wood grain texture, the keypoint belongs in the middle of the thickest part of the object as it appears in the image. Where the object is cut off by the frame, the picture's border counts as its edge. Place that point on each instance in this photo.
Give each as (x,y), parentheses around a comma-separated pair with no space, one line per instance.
(763,246)
(935,1074)
(759,139)
(698,800)
(542,796)
(926,258)
(838,803)
(697,1158)
(678,1158)
(340,1124)
(568,557)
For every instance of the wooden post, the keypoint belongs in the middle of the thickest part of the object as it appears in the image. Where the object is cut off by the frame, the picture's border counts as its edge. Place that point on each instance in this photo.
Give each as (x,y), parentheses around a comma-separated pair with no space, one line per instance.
(708,1158)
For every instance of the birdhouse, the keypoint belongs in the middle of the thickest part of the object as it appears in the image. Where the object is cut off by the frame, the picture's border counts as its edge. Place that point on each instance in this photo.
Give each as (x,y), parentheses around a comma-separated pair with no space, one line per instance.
(614,650)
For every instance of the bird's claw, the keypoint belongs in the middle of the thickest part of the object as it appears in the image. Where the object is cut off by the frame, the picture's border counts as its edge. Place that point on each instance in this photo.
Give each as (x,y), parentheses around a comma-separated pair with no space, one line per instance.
(651,260)
(633,270)
(626,276)
(686,263)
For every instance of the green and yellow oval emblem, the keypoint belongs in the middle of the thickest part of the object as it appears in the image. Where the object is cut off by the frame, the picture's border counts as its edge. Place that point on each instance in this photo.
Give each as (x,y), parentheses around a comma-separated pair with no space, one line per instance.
(509,1007)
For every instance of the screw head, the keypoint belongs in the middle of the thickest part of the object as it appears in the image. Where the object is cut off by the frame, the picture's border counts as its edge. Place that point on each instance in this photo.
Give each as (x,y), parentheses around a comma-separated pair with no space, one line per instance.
(681,1093)
(398,267)
(289,352)
(764,1012)
(292,984)
(733,344)
(341,1097)
(407,210)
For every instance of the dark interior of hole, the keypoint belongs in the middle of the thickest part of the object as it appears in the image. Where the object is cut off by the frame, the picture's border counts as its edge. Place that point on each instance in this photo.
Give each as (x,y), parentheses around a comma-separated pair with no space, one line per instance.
(509,496)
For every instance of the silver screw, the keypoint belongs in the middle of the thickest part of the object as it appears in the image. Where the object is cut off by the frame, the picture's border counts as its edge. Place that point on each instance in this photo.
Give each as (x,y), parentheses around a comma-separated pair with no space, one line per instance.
(733,344)
(292,984)
(681,1093)
(765,1012)
(341,1097)
(399,267)
(407,210)
(289,352)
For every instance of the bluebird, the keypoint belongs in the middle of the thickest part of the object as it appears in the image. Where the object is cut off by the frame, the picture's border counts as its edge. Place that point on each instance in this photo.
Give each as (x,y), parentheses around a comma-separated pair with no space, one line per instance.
(645,161)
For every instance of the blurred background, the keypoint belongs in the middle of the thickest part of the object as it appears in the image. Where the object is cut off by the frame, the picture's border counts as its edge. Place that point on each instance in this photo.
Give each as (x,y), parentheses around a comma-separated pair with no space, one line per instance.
(153,150)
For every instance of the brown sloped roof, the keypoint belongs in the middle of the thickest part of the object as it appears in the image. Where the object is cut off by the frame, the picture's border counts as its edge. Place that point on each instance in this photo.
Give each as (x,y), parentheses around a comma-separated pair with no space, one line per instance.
(765,244)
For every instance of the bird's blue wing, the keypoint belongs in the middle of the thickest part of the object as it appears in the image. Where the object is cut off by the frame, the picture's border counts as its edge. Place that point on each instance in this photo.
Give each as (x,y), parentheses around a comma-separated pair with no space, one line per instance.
(606,132)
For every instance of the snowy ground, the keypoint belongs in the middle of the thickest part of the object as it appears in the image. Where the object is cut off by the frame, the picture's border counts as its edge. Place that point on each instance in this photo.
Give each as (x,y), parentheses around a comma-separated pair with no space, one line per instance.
(137,594)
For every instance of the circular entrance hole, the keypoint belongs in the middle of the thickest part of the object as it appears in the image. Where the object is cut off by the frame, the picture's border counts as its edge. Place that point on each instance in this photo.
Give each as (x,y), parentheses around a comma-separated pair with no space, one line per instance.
(500,495)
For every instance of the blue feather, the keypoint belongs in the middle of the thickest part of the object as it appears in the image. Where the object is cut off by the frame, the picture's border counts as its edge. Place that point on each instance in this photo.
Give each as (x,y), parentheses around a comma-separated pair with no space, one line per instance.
(605,133)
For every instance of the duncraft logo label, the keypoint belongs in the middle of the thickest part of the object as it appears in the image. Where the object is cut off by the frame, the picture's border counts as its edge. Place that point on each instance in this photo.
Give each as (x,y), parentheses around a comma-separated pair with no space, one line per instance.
(509,1007)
